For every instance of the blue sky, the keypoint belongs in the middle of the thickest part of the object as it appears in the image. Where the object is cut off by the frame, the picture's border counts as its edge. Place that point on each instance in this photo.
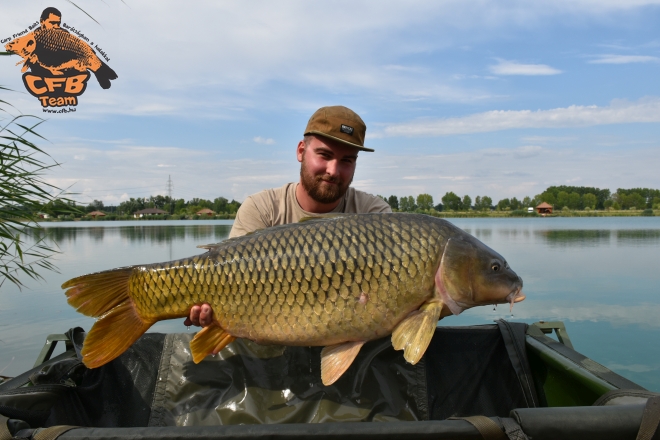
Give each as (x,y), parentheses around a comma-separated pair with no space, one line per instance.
(482,98)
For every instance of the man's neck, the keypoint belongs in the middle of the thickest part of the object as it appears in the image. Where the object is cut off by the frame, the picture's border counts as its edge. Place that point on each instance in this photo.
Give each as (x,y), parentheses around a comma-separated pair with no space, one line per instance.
(310,205)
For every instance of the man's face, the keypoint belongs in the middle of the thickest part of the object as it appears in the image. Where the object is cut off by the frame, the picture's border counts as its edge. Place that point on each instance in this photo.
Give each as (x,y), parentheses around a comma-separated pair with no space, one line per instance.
(52,22)
(327,168)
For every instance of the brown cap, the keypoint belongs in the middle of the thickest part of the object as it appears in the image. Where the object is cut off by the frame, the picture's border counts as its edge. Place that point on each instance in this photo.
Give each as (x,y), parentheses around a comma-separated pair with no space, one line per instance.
(339,123)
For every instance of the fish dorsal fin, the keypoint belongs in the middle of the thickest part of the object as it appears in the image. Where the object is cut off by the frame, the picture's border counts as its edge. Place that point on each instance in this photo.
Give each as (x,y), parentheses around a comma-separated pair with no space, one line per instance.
(414,333)
(335,360)
(208,247)
(310,218)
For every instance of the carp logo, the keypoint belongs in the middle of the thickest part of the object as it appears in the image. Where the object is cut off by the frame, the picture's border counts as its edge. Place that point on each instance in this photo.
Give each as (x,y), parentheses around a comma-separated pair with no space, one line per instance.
(58,61)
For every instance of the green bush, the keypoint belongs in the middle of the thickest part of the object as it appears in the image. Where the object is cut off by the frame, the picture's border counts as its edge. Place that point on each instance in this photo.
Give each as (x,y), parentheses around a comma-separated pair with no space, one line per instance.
(647,212)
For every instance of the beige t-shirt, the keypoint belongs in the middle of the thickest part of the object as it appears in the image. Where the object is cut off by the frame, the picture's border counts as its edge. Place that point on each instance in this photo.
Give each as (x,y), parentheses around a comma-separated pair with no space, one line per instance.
(279,206)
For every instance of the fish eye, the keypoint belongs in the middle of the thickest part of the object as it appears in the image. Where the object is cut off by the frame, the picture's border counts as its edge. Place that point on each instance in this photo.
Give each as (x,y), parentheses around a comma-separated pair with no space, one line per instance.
(30,43)
(495,266)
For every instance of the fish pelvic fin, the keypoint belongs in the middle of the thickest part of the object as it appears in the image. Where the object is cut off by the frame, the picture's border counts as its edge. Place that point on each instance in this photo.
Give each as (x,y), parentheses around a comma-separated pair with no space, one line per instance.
(414,333)
(335,360)
(112,334)
(209,340)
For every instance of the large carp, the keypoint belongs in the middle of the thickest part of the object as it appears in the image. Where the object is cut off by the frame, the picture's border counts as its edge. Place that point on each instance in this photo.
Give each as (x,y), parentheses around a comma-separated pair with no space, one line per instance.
(334,282)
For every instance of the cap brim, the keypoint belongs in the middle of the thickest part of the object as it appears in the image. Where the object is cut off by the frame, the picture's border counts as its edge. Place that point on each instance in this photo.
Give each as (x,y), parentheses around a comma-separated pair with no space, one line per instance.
(359,147)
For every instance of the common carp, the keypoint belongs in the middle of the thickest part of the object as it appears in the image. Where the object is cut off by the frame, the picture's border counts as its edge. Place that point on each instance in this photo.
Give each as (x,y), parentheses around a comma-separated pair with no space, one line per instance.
(333,282)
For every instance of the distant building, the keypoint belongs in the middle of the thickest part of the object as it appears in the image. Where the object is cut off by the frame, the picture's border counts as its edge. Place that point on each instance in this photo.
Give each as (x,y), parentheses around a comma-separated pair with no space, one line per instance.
(42,215)
(544,208)
(205,212)
(95,214)
(148,211)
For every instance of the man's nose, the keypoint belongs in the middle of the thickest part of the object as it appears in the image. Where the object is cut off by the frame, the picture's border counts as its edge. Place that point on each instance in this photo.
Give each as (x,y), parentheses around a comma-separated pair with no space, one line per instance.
(332,168)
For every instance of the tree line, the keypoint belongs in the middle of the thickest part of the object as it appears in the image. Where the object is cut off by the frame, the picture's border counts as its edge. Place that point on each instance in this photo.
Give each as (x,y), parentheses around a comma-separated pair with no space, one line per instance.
(576,198)
(173,207)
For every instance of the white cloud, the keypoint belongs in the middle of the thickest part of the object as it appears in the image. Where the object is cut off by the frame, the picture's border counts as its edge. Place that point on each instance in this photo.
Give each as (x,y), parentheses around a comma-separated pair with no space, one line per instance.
(618,112)
(624,59)
(504,67)
(265,141)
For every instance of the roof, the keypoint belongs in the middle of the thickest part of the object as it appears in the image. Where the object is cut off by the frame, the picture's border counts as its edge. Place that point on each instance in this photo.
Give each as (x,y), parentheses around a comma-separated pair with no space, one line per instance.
(96,213)
(205,211)
(151,211)
(544,205)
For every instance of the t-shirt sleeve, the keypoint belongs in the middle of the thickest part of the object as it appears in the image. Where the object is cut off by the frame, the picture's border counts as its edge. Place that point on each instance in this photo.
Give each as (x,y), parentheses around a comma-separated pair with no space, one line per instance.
(248,219)
(380,205)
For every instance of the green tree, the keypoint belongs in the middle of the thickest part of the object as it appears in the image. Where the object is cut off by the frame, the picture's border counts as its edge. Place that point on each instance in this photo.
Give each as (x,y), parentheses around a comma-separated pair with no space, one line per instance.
(504,205)
(589,201)
(393,202)
(562,199)
(483,203)
(574,201)
(220,204)
(526,202)
(96,205)
(452,201)
(515,204)
(407,204)
(424,202)
(466,203)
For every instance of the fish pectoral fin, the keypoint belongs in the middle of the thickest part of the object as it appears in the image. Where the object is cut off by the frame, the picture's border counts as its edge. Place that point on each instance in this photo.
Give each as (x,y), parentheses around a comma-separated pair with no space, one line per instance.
(414,333)
(335,360)
(209,340)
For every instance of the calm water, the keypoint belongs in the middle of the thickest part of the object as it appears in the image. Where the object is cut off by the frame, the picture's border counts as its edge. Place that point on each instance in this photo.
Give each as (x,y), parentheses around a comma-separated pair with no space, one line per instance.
(599,275)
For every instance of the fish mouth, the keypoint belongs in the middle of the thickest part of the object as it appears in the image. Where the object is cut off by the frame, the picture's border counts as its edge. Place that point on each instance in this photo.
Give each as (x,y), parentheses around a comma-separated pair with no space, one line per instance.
(515,296)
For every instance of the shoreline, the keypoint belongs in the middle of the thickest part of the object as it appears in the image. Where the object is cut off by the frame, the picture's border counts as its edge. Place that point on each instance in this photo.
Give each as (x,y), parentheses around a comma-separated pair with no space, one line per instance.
(443,214)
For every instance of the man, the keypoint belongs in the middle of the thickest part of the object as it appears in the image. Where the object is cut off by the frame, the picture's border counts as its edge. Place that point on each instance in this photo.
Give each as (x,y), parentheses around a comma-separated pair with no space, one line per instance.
(328,155)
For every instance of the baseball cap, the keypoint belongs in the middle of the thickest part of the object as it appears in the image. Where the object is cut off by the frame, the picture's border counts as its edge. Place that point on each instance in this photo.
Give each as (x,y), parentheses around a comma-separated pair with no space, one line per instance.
(339,123)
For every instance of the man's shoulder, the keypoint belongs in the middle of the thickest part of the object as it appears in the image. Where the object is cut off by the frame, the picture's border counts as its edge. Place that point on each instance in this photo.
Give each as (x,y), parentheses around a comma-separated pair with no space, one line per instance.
(363,202)
(269,196)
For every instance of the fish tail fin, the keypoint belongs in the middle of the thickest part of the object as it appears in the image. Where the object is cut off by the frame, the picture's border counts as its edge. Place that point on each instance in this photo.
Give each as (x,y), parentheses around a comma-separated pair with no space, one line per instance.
(209,340)
(414,333)
(104,74)
(105,295)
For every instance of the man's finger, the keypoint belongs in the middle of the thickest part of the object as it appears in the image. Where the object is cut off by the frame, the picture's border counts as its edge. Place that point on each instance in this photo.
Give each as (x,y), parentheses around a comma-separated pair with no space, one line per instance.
(194,315)
(206,315)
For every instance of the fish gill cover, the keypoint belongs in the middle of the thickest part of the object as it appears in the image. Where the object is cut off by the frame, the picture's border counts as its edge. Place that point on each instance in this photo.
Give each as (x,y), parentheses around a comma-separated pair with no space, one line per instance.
(56,61)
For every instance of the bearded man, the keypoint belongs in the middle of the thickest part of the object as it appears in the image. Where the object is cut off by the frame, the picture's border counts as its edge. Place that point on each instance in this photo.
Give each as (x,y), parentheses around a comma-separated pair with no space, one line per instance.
(328,155)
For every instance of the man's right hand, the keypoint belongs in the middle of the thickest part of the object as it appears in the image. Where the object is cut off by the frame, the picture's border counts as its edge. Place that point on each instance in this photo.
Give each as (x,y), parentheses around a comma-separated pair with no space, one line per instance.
(200,315)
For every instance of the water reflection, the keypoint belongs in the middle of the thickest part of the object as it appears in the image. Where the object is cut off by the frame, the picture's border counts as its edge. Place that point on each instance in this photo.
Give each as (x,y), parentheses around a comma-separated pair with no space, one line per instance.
(575,237)
(202,234)
(638,236)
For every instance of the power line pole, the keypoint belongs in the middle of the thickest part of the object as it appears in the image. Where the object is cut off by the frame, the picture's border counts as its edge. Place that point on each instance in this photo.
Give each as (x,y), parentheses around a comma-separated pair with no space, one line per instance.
(169,193)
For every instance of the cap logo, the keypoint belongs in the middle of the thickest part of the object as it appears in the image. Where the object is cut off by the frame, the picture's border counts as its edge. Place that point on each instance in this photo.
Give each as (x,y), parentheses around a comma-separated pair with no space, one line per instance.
(346,129)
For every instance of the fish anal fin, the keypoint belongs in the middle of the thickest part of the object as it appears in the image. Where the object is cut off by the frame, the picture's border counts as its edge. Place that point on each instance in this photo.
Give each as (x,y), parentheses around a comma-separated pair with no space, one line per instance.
(209,340)
(335,360)
(112,334)
(414,333)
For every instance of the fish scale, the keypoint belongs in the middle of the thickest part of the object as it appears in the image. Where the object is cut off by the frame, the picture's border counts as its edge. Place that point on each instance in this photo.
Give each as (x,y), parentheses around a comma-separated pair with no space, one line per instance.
(233,278)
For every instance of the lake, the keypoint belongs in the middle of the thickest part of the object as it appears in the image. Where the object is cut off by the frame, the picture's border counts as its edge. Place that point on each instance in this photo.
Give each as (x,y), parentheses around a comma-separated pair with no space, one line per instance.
(599,275)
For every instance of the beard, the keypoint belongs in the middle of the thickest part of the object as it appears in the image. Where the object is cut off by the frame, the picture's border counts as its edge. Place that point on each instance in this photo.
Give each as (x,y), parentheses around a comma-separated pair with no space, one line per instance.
(320,192)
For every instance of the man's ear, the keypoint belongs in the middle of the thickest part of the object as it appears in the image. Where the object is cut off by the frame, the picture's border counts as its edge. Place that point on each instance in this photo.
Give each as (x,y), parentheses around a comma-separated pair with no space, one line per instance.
(300,150)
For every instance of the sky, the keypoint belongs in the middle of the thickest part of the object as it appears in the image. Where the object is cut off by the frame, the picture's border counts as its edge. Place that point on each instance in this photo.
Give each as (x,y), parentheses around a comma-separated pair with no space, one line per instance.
(490,98)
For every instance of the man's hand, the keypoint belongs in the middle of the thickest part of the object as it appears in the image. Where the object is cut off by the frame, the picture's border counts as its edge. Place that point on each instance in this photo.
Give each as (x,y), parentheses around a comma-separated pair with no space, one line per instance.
(200,315)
